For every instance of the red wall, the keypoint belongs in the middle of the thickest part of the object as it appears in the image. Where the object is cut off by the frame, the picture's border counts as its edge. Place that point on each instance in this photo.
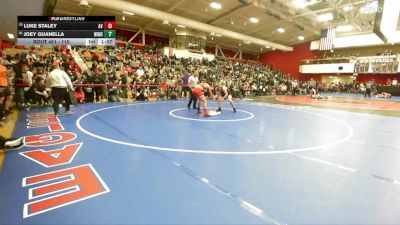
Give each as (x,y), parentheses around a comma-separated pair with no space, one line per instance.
(5,44)
(249,56)
(210,49)
(228,53)
(289,62)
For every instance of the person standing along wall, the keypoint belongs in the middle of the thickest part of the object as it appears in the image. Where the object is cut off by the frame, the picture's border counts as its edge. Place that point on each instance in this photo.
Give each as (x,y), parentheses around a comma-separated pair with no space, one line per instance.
(185,89)
(98,79)
(5,92)
(193,80)
(368,87)
(60,84)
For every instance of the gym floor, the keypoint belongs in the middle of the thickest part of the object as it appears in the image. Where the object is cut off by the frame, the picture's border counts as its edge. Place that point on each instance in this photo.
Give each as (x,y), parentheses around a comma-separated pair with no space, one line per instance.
(300,161)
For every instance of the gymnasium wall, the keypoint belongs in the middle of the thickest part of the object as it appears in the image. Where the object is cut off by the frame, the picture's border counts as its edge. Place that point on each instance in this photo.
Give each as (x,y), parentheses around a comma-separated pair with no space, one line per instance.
(231,53)
(289,62)
(126,34)
(367,51)
(335,79)
(5,44)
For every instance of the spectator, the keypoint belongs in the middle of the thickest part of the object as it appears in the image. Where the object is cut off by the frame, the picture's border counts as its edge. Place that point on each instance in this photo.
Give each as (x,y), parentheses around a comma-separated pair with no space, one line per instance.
(142,95)
(113,93)
(88,89)
(41,96)
(5,93)
(80,95)
(185,89)
(19,86)
(124,82)
(312,83)
(295,87)
(98,79)
(27,76)
(388,82)
(394,82)
(368,88)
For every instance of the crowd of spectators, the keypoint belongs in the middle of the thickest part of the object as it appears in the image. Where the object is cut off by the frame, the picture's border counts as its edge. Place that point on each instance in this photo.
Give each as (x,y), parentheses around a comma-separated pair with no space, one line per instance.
(148,67)
(28,72)
(121,73)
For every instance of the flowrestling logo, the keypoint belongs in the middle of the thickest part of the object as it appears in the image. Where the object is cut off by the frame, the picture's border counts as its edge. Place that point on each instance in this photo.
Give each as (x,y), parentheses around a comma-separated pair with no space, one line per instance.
(56,188)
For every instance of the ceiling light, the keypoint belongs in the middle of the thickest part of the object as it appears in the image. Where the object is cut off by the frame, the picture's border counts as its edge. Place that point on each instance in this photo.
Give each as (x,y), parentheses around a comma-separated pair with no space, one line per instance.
(267,46)
(11,36)
(370,8)
(123,17)
(165,22)
(128,13)
(253,20)
(215,5)
(218,35)
(300,4)
(325,17)
(348,8)
(344,28)
(281,30)
(300,38)
(181,26)
(303,3)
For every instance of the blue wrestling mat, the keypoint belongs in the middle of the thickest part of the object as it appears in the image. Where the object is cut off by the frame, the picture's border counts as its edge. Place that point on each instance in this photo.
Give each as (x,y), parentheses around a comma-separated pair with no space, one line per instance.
(160,163)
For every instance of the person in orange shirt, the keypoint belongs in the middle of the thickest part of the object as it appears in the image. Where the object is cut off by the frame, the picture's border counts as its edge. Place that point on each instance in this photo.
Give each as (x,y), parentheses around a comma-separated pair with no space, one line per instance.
(5,93)
(198,92)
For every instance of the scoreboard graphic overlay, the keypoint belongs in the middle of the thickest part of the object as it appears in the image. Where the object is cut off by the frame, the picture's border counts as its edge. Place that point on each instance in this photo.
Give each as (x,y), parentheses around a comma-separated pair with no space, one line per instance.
(66,30)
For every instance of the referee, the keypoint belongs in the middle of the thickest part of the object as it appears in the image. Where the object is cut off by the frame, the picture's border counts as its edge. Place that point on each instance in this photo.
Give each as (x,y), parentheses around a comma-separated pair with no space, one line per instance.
(193,80)
(60,84)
